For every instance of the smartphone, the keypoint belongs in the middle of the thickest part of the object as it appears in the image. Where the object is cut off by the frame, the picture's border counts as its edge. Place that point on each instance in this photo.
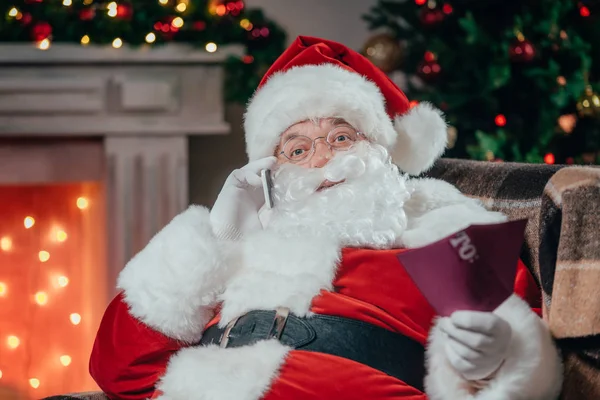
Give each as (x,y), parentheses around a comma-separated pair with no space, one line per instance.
(267,184)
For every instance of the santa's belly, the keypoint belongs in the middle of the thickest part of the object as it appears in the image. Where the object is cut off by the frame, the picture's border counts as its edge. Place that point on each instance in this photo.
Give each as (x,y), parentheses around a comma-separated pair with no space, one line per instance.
(309,375)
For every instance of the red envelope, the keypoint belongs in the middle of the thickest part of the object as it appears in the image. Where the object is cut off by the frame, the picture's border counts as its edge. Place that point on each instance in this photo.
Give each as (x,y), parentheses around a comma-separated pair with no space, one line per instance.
(473,269)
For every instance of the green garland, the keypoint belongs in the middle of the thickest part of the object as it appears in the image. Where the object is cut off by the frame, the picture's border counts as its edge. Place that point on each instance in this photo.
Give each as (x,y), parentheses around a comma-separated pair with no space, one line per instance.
(151,23)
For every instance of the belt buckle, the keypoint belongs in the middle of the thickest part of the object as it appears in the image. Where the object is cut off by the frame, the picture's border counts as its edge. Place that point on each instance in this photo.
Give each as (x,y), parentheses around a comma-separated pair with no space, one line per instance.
(225,336)
(281,316)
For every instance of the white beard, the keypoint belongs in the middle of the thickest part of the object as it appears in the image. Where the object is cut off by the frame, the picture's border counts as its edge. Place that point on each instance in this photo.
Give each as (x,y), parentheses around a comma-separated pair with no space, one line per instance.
(366,210)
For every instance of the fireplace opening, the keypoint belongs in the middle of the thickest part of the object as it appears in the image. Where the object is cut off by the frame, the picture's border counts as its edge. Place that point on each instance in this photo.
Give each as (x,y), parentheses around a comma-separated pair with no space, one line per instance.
(52,286)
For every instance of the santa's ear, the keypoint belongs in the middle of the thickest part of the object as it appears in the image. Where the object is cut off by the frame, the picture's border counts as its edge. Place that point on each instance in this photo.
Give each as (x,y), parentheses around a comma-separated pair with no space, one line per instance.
(422,138)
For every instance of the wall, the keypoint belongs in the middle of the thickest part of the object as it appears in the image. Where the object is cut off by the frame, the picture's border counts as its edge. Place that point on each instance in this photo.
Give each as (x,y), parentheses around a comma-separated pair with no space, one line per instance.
(212,158)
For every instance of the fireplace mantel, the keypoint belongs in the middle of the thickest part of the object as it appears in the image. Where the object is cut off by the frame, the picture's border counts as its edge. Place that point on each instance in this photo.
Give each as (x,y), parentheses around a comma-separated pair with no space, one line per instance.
(138,105)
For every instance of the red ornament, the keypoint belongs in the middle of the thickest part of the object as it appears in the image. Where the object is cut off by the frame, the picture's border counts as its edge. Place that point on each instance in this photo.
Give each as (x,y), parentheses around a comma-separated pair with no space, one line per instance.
(549,158)
(248,59)
(500,120)
(431,16)
(521,51)
(584,11)
(447,9)
(429,69)
(124,11)
(420,2)
(199,25)
(41,31)
(87,14)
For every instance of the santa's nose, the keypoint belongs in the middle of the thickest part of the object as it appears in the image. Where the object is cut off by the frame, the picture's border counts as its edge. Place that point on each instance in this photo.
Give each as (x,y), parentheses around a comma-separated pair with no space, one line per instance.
(321,156)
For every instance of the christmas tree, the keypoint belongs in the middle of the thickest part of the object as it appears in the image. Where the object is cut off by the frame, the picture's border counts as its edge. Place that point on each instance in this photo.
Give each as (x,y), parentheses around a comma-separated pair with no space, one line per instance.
(517,80)
(204,23)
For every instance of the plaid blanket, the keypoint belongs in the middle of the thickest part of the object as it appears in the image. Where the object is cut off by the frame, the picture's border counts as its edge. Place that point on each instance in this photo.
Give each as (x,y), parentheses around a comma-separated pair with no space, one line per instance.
(562,249)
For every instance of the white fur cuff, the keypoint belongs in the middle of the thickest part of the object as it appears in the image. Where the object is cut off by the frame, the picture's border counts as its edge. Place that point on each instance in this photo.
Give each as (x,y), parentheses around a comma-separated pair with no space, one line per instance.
(213,373)
(532,369)
(171,285)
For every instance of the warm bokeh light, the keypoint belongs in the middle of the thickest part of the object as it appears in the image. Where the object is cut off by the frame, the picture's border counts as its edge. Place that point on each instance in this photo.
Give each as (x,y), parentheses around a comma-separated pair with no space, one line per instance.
(41,298)
(13,342)
(67,3)
(82,202)
(28,222)
(65,360)
(177,22)
(117,43)
(181,7)
(0,374)
(549,158)
(150,38)
(163,2)
(34,382)
(61,235)
(13,12)
(43,256)
(75,318)
(2,289)
(6,243)
(500,120)
(85,39)
(211,47)
(63,281)
(44,44)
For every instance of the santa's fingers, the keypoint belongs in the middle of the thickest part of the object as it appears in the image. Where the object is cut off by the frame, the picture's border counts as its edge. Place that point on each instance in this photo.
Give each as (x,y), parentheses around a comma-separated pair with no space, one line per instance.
(475,340)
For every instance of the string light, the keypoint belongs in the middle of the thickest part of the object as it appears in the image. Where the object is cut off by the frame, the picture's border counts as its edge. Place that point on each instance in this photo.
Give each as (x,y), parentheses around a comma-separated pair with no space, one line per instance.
(85,40)
(117,43)
(34,382)
(65,360)
(61,235)
(41,298)
(211,47)
(2,289)
(500,120)
(43,256)
(67,3)
(13,12)
(584,11)
(150,38)
(6,243)
(112,9)
(87,2)
(28,222)
(549,158)
(44,44)
(63,281)
(181,7)
(82,202)
(75,318)
(13,342)
(163,2)
(177,22)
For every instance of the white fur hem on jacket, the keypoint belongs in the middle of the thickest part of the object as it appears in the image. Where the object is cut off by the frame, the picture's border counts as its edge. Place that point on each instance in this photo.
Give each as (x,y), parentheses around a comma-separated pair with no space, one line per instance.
(531,371)
(172,284)
(214,373)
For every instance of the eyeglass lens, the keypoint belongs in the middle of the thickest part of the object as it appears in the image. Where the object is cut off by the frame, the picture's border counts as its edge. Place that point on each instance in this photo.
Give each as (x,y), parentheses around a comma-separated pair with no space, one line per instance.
(300,147)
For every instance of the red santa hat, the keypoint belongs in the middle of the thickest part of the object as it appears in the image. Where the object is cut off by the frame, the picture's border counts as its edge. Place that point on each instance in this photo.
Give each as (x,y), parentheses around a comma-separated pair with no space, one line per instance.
(317,78)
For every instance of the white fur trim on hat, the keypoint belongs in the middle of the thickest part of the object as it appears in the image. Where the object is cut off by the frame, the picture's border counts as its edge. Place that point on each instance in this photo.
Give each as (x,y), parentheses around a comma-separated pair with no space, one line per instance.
(422,138)
(330,91)
(314,91)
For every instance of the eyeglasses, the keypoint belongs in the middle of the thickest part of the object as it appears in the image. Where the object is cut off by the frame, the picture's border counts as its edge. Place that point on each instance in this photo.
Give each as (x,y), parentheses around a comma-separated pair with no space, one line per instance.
(301,148)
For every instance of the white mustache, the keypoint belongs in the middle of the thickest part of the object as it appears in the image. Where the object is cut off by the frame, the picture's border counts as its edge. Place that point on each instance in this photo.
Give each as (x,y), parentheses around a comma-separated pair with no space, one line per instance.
(292,182)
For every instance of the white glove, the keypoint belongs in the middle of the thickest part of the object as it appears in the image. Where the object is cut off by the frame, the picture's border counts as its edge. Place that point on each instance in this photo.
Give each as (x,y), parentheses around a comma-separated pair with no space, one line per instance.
(235,212)
(477,342)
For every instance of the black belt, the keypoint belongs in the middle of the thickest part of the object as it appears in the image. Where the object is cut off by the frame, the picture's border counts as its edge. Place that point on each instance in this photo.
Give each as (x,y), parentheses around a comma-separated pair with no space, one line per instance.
(379,348)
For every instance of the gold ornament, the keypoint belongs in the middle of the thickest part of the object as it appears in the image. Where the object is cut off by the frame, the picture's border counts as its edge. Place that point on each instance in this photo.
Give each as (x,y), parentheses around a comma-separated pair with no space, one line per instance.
(384,51)
(452,135)
(588,104)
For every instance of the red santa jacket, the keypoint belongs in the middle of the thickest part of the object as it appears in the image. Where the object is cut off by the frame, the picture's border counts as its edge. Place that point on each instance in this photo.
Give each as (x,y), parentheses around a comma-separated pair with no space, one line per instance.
(129,357)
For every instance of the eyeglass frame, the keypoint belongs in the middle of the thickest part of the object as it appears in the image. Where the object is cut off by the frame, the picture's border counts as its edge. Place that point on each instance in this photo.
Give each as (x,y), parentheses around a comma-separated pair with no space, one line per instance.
(313,147)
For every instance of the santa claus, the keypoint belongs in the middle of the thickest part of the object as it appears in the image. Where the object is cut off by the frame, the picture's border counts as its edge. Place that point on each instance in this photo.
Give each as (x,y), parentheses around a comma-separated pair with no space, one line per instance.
(308,299)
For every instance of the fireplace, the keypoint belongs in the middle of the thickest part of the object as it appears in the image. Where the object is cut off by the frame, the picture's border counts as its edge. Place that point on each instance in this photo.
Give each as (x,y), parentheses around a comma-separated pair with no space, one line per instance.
(93,162)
